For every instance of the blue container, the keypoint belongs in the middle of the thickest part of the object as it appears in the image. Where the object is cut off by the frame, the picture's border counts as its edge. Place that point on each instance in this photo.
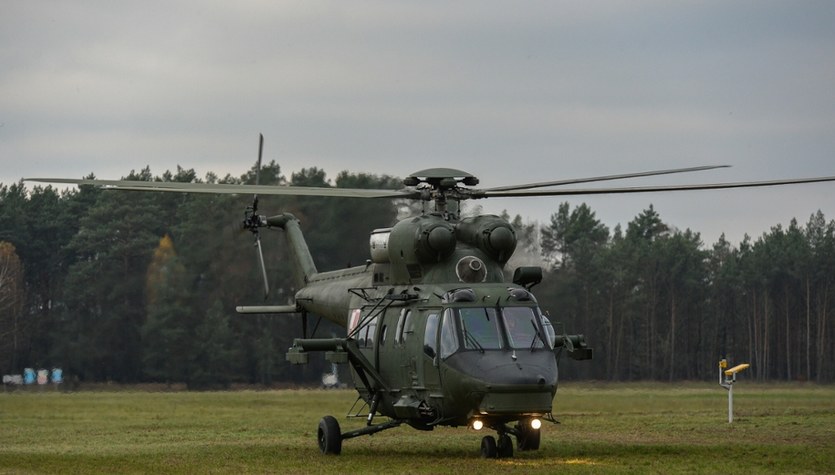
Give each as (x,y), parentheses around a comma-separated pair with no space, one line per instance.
(29,376)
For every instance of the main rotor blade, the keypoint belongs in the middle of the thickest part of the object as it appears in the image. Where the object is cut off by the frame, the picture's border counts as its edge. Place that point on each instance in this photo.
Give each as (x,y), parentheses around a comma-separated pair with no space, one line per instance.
(217,188)
(575,181)
(652,189)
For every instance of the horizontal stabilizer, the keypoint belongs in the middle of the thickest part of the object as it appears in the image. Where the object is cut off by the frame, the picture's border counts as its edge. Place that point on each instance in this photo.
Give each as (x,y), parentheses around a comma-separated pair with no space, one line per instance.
(267,309)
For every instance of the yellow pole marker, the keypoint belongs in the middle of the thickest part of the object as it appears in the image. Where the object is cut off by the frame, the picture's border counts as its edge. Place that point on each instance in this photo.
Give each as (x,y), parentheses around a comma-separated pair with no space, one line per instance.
(736,369)
(728,383)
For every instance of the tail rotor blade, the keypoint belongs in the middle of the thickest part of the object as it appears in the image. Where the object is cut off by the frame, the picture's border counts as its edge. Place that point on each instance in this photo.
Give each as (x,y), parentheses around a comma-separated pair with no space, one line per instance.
(260,152)
(263,266)
(258,171)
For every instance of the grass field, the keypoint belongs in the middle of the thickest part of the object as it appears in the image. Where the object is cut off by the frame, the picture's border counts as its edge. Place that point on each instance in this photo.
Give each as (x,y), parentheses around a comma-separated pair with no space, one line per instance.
(605,428)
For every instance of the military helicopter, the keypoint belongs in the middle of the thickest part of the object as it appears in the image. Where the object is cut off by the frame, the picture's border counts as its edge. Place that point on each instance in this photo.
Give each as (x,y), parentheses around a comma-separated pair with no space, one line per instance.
(435,333)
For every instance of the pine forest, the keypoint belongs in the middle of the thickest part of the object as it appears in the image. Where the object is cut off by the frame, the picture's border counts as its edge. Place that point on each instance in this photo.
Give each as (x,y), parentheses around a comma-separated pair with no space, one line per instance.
(134,287)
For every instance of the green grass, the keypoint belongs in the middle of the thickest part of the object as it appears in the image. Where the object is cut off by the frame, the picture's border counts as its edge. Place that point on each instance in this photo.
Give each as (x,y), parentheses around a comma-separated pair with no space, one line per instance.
(611,428)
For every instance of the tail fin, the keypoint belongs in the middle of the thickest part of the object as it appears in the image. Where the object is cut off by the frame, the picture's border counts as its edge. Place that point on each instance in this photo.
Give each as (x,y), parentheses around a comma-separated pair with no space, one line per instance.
(305,269)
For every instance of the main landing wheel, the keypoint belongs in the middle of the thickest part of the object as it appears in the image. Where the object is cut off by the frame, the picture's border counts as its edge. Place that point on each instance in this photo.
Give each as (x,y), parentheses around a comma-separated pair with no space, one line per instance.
(330,436)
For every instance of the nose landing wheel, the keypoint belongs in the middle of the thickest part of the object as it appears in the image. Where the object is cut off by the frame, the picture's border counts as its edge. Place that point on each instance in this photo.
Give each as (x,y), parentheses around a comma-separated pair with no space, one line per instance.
(491,449)
(527,438)
(488,447)
(505,446)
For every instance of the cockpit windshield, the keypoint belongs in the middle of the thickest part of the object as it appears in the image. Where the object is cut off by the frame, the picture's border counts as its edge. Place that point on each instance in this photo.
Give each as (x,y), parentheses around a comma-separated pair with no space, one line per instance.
(495,328)
(480,328)
(522,330)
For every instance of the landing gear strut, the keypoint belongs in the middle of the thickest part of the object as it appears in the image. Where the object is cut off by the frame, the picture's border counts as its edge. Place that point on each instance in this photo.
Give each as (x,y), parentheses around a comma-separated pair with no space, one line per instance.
(330,436)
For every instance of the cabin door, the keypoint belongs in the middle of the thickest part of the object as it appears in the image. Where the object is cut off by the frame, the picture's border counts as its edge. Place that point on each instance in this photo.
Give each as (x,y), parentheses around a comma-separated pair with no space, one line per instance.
(430,358)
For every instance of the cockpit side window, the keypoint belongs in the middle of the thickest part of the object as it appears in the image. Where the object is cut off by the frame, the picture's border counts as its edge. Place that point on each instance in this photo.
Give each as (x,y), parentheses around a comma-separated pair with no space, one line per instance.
(449,337)
(430,334)
(550,333)
(522,330)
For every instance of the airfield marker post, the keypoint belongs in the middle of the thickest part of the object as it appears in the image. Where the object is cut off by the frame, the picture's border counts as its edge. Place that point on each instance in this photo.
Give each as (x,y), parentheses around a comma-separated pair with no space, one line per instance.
(727,378)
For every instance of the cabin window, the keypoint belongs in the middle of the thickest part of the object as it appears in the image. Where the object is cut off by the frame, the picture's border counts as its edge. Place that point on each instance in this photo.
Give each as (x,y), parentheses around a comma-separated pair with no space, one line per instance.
(449,338)
(408,325)
(365,337)
(430,335)
(522,330)
(480,328)
(404,327)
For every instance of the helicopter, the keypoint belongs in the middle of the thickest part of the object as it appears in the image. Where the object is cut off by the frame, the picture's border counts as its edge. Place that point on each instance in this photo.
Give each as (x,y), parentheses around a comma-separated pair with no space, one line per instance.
(436,334)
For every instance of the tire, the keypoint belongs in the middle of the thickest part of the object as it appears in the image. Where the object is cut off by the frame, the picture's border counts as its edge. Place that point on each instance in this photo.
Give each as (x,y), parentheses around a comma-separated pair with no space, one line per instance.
(505,447)
(329,436)
(527,438)
(488,447)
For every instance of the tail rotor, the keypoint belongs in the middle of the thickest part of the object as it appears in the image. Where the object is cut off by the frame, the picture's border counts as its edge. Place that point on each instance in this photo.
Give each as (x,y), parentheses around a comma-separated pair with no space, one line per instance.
(254,222)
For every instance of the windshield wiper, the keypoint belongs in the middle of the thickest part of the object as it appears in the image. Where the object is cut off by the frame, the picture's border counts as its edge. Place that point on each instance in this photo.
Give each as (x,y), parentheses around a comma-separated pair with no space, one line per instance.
(536,335)
(472,340)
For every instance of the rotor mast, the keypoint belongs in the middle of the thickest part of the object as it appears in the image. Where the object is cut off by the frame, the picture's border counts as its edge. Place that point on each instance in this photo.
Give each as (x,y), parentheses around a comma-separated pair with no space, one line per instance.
(440,185)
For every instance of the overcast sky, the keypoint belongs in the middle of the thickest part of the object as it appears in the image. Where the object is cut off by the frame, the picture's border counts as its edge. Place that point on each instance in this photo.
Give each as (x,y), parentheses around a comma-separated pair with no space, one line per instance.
(513,92)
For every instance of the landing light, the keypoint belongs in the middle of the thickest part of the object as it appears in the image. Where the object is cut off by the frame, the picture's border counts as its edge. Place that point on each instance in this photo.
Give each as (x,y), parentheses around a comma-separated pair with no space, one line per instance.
(478,424)
(536,424)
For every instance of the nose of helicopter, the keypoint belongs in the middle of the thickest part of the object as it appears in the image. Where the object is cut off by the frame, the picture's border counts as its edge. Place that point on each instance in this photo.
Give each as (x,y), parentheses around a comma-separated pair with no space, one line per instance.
(497,384)
(516,389)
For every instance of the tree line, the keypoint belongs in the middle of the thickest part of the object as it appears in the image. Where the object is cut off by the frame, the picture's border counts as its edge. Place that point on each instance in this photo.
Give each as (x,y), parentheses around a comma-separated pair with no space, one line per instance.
(133,286)
(657,304)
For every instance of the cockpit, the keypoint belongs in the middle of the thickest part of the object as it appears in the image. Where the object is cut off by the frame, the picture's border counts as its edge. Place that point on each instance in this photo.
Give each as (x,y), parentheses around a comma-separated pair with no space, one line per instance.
(487,328)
